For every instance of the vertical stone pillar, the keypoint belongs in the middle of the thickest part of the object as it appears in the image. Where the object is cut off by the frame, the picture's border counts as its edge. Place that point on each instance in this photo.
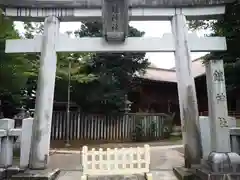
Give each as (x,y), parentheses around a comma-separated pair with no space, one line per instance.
(44,97)
(217,106)
(25,141)
(186,91)
(6,155)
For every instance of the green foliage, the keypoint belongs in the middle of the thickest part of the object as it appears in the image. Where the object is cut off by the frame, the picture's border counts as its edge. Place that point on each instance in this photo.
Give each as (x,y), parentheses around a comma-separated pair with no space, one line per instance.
(168,125)
(77,68)
(77,71)
(13,70)
(99,81)
(116,73)
(138,134)
(228,26)
(153,129)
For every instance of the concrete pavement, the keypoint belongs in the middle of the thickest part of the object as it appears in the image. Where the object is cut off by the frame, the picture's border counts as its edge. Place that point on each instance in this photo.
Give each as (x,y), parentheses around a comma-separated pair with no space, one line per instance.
(163,159)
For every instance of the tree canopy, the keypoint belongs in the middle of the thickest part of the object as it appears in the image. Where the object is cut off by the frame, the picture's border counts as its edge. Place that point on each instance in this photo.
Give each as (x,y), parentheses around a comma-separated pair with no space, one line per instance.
(99,81)
(116,73)
(13,69)
(228,26)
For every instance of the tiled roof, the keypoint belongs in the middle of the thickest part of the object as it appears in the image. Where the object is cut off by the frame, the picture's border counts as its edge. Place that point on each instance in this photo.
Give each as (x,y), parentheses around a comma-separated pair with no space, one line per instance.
(169,75)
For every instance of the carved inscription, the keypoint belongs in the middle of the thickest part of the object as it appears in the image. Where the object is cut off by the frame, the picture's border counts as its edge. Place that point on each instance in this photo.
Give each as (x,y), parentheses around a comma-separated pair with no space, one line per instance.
(115,19)
(218,76)
(115,16)
(223,122)
(220,97)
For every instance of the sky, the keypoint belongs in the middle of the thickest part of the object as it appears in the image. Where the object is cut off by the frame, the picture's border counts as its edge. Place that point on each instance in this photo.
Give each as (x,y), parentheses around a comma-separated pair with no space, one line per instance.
(151,29)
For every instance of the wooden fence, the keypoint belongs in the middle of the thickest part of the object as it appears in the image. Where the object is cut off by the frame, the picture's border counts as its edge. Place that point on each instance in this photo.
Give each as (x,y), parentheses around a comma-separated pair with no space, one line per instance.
(121,127)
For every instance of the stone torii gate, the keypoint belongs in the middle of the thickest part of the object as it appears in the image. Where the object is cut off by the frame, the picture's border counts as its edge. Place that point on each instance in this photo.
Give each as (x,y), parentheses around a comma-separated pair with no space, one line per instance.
(179,42)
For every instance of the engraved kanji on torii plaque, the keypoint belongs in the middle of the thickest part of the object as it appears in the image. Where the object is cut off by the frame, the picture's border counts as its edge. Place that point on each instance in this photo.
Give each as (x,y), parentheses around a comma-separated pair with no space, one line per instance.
(223,122)
(115,17)
(221,97)
(115,20)
(218,75)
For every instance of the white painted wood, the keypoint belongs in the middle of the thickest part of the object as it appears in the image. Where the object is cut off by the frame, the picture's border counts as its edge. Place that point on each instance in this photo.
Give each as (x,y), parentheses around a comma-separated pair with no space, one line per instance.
(83,177)
(134,44)
(44,98)
(124,161)
(25,141)
(186,91)
(149,176)
(205,130)
(6,155)
(217,104)
(136,14)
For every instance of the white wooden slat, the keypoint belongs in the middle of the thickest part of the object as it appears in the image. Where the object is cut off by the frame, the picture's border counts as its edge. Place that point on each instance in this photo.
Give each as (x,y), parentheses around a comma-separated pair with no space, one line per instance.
(116,161)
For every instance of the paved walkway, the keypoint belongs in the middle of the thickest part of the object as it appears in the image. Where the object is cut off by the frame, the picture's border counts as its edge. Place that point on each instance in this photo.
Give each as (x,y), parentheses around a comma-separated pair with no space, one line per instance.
(163,159)
(125,145)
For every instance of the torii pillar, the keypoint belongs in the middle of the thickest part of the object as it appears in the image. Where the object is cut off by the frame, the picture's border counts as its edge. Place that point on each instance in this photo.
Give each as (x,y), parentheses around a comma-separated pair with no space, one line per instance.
(45,94)
(186,92)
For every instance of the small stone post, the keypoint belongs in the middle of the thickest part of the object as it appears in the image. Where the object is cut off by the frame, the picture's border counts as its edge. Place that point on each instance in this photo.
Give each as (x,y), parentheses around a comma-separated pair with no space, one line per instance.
(26,135)
(6,155)
(186,92)
(217,106)
(45,94)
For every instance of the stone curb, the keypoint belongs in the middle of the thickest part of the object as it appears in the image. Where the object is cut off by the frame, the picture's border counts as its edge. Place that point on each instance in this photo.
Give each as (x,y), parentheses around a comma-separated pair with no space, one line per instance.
(183,173)
(37,175)
(8,172)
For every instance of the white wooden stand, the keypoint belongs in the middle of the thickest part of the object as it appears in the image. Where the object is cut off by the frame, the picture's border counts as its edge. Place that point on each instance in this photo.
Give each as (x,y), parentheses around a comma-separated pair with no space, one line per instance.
(124,161)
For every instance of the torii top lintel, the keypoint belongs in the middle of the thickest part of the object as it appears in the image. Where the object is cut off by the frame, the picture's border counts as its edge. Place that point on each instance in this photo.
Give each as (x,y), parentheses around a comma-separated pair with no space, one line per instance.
(98,3)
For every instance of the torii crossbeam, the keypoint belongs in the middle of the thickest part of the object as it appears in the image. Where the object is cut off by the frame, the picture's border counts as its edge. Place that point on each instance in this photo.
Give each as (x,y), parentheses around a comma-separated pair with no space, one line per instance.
(144,44)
